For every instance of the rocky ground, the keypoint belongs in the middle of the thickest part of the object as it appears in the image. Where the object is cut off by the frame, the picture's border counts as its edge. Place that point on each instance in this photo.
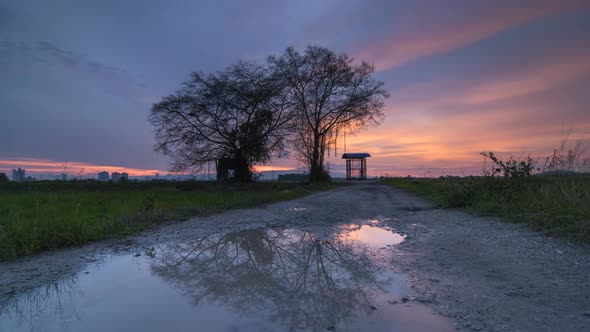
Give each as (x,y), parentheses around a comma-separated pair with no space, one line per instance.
(483,273)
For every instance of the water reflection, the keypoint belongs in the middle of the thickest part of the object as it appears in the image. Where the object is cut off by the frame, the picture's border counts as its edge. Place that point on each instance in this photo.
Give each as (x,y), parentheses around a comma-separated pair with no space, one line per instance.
(253,280)
(289,275)
(49,300)
(371,235)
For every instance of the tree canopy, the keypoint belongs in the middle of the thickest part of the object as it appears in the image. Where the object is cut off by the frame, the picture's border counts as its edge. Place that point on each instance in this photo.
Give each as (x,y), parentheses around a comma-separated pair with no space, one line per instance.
(330,94)
(239,113)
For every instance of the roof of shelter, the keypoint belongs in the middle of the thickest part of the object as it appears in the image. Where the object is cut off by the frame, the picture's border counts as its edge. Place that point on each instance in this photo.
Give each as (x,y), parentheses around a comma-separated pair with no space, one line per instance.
(355,155)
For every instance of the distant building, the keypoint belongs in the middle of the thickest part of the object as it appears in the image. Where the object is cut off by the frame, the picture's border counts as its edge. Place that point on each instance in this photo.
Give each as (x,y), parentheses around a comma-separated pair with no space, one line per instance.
(116,176)
(124,176)
(103,176)
(18,174)
(63,177)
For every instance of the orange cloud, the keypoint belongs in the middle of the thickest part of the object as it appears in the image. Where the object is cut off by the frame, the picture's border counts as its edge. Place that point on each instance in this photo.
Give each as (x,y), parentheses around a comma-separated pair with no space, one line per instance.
(450,143)
(74,168)
(441,131)
(267,168)
(415,38)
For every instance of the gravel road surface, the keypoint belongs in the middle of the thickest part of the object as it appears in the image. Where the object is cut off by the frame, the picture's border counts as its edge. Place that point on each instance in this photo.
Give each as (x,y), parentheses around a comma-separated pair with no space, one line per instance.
(482,273)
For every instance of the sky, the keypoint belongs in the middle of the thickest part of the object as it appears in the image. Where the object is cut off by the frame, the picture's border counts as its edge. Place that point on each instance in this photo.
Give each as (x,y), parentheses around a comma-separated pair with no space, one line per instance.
(78,78)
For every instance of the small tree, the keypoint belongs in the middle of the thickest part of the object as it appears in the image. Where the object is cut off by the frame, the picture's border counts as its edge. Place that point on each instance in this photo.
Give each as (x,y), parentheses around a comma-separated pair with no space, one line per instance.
(238,113)
(330,94)
(3,178)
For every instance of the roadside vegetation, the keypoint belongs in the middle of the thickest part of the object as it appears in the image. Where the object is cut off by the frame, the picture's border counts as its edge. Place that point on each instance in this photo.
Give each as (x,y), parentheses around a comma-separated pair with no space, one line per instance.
(555,204)
(40,216)
(554,197)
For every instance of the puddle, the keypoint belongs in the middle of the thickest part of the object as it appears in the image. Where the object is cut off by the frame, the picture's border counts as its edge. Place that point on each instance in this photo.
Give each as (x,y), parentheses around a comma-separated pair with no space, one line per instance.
(253,280)
(370,235)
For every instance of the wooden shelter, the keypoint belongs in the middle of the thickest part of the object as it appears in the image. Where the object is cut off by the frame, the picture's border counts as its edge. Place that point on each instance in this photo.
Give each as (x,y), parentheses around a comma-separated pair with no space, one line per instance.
(356,165)
(226,168)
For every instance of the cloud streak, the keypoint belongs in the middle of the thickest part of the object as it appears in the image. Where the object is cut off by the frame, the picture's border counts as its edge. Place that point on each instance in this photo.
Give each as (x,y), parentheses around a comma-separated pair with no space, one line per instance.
(47,52)
(417,38)
(549,72)
(40,57)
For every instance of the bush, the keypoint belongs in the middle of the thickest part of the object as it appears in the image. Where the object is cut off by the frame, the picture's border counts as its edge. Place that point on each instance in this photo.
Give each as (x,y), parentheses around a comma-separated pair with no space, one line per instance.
(509,168)
(457,198)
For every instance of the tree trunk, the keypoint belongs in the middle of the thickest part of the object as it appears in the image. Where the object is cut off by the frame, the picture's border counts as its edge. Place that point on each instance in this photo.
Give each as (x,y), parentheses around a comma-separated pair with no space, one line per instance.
(316,172)
(243,172)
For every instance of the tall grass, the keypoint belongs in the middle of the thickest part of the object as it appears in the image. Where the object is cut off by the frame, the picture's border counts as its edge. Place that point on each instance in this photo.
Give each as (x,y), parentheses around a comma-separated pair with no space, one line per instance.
(555,204)
(572,156)
(41,216)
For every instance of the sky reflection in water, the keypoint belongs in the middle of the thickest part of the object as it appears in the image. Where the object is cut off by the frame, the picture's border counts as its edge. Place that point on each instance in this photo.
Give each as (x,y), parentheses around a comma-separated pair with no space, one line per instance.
(253,280)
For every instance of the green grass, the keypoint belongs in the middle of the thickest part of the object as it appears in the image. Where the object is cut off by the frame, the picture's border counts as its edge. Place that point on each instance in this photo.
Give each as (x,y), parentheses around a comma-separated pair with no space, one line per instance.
(558,205)
(42,216)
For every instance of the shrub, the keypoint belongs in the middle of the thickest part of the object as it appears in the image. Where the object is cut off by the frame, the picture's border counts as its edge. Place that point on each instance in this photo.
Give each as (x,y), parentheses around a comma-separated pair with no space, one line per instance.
(509,168)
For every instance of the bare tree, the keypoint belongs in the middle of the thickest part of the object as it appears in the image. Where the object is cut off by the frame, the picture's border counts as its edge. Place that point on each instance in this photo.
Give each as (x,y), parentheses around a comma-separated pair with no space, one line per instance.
(238,113)
(330,94)
(291,276)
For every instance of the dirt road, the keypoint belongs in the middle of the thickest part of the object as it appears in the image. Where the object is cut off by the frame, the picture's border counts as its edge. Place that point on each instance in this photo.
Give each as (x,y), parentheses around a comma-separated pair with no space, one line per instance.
(481,273)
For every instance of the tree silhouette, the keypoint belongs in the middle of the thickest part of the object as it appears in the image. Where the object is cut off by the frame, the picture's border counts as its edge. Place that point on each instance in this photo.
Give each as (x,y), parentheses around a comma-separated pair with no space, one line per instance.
(291,276)
(238,113)
(330,94)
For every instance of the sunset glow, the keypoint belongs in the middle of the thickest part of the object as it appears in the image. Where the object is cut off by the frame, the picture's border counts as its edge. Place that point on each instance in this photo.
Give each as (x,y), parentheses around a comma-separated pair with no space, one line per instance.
(36,166)
(509,77)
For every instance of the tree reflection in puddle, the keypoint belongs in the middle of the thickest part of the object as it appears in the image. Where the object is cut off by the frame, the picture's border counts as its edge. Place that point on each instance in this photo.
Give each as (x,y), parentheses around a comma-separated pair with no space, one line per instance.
(35,305)
(253,280)
(289,275)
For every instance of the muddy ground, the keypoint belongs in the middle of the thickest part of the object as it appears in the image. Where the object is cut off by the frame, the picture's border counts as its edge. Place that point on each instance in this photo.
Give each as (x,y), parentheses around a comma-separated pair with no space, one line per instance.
(482,273)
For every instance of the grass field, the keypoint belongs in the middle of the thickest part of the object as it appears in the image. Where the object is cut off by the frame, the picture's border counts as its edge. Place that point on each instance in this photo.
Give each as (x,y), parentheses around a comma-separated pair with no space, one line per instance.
(42,216)
(554,204)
